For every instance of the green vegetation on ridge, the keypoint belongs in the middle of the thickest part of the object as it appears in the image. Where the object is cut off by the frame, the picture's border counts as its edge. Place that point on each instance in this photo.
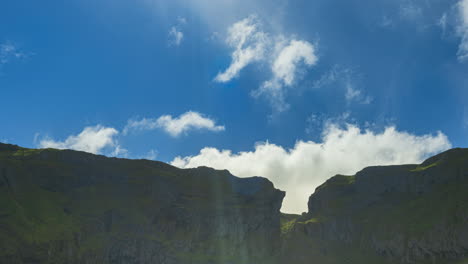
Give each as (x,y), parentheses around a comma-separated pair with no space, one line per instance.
(62,206)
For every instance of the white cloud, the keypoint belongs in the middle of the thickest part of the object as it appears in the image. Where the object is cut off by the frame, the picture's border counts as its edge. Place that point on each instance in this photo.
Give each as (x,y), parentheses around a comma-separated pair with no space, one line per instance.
(91,139)
(316,122)
(301,169)
(174,126)
(410,11)
(386,22)
(354,94)
(286,56)
(119,151)
(274,92)
(285,65)
(175,36)
(181,20)
(140,125)
(462,29)
(151,155)
(249,44)
(455,20)
(9,52)
(284,69)
(443,22)
(465,118)
(349,79)
(329,77)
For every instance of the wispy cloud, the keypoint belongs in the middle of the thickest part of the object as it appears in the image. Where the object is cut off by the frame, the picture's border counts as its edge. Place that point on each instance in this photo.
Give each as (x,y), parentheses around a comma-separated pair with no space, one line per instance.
(176,36)
(9,52)
(286,56)
(348,79)
(411,11)
(462,29)
(455,21)
(284,69)
(92,139)
(443,22)
(386,22)
(151,155)
(356,95)
(301,169)
(465,118)
(410,14)
(328,77)
(181,20)
(174,126)
(249,43)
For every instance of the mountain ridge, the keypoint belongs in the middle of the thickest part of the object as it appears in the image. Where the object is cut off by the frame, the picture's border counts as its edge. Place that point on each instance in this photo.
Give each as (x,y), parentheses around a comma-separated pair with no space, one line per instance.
(65,206)
(402,213)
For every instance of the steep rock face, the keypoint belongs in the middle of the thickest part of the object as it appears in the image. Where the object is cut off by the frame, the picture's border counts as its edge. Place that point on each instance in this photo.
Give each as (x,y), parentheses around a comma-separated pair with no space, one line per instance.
(74,207)
(400,214)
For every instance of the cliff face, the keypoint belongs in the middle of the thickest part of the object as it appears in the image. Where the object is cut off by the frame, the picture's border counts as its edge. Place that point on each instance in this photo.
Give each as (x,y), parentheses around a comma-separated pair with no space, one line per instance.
(399,214)
(74,207)
(62,206)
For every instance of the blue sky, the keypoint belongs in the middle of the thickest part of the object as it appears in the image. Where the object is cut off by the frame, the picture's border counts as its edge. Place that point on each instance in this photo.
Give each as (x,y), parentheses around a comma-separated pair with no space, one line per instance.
(315,88)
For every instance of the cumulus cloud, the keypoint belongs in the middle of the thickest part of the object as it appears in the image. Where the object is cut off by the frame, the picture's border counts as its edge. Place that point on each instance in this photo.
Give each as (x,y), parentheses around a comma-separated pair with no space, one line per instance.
(285,65)
(249,44)
(286,56)
(174,126)
(91,139)
(343,150)
(284,69)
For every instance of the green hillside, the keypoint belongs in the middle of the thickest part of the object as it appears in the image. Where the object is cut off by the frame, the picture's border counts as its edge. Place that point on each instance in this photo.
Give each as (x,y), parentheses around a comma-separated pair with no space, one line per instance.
(63,206)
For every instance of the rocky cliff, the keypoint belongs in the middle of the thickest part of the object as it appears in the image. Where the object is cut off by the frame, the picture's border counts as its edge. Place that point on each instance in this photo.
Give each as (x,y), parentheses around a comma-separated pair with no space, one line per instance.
(388,214)
(63,206)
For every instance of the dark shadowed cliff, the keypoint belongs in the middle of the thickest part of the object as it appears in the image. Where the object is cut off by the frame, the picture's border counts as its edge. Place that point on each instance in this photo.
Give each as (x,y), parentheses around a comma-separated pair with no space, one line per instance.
(63,206)
(394,214)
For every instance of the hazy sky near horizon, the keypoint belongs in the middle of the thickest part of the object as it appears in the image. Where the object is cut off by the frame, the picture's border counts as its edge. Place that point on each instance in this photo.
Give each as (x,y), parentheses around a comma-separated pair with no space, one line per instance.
(295,91)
